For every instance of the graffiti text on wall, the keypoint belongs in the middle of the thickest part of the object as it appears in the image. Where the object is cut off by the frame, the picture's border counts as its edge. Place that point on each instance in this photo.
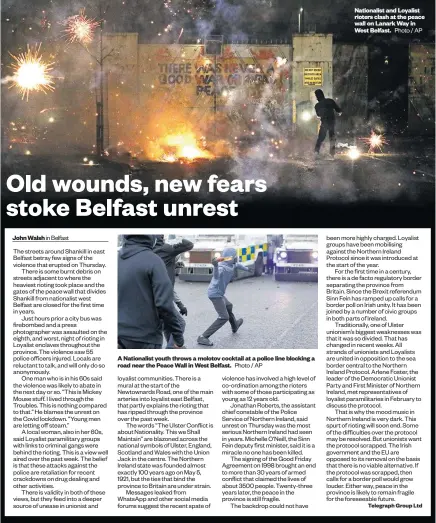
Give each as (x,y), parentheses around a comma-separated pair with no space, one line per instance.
(211,78)
(175,73)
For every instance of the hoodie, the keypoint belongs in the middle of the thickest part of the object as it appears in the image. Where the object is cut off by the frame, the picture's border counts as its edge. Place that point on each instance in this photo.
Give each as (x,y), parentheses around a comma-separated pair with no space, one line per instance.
(145,294)
(223,273)
(326,107)
(168,253)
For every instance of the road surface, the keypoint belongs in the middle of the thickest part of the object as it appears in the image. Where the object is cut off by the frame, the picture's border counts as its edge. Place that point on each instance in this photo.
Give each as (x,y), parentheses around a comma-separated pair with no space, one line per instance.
(404,173)
(394,188)
(277,315)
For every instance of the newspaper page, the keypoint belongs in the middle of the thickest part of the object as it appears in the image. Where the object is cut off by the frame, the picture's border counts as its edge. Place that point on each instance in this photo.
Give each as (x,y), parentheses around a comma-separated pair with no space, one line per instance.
(218,259)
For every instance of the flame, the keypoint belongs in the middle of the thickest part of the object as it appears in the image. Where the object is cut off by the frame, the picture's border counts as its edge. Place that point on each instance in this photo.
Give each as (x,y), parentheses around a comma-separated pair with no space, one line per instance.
(170,158)
(184,146)
(168,129)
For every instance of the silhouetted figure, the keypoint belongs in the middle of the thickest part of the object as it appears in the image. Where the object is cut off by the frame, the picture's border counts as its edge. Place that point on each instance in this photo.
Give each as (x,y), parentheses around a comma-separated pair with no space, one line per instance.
(325,110)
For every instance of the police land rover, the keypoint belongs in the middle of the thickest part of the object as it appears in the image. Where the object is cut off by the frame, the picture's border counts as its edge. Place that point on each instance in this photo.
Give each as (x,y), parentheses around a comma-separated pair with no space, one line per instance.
(252,252)
(297,258)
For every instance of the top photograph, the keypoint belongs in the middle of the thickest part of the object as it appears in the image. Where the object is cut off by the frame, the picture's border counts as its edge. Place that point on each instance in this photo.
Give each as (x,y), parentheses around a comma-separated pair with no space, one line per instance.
(329,105)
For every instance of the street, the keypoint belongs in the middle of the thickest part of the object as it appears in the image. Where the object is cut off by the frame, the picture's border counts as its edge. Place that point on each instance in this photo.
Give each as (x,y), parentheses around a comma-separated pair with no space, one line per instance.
(401,174)
(398,184)
(377,178)
(277,315)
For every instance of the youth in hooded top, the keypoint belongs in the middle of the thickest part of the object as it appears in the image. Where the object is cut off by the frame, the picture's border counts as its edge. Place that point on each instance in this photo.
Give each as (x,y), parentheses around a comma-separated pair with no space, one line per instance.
(325,110)
(222,275)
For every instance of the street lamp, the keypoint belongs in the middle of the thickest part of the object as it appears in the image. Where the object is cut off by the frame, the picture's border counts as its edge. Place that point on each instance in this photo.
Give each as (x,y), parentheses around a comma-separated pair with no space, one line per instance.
(100,95)
(213,46)
(300,16)
(99,57)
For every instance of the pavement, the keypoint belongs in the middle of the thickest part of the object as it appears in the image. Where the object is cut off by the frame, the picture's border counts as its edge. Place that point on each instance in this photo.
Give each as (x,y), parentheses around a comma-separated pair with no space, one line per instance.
(277,315)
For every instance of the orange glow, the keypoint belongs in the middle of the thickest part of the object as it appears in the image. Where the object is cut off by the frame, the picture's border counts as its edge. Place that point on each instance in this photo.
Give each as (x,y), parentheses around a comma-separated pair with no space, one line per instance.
(166,128)
(177,147)
(185,147)
(170,158)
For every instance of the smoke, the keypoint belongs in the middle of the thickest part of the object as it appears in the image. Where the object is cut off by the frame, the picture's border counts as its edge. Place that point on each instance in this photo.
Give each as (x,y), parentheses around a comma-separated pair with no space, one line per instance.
(225,16)
(231,20)
(8,80)
(303,177)
(263,115)
(205,27)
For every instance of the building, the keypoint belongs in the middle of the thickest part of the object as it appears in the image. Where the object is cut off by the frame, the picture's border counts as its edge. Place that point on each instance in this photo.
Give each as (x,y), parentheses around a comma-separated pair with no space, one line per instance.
(421,118)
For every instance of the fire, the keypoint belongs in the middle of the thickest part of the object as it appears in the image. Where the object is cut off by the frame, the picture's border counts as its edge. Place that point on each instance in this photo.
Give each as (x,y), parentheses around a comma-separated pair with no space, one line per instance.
(170,158)
(180,147)
(31,73)
(168,129)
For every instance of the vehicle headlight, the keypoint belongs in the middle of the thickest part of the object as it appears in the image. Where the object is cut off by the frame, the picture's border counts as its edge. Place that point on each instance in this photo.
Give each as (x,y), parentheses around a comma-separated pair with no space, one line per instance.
(306,116)
(314,255)
(283,255)
(217,255)
(187,255)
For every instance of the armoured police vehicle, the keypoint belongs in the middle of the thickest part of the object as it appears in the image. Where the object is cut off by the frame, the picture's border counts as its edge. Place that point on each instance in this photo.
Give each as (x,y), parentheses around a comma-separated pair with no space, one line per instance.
(252,252)
(297,258)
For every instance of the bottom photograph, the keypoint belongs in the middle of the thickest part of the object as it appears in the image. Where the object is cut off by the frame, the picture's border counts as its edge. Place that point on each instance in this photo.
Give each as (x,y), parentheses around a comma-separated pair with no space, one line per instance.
(224,291)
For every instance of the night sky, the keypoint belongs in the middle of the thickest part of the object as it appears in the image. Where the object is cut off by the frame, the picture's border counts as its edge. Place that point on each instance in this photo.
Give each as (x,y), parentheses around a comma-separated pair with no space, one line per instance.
(232,18)
(32,21)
